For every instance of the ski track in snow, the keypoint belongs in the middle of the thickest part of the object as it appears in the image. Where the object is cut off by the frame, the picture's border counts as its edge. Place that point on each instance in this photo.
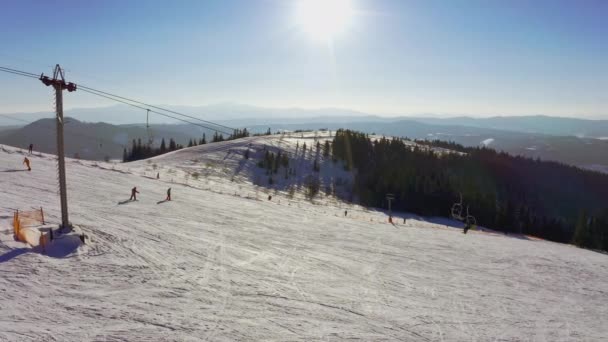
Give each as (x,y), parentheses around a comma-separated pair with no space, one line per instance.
(214,266)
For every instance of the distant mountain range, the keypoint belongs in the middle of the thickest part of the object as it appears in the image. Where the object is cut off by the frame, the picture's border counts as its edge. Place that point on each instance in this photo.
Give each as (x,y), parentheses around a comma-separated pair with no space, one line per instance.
(531,124)
(96,141)
(239,115)
(579,142)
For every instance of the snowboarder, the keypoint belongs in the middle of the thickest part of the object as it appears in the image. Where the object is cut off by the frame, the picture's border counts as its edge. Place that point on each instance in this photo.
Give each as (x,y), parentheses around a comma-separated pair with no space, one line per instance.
(269,197)
(466,228)
(168,195)
(158,175)
(133,194)
(27,163)
(345,213)
(31,148)
(404,220)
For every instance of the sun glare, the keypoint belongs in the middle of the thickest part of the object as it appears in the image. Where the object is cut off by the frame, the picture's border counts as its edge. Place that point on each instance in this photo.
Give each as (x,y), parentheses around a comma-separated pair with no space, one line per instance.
(324,19)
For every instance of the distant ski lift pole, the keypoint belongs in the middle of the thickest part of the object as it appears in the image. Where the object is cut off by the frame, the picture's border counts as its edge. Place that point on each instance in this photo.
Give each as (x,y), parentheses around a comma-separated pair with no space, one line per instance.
(456,212)
(390,198)
(148,127)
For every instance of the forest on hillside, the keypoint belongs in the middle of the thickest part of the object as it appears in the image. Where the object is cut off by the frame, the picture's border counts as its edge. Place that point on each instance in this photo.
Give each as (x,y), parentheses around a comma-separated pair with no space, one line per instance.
(508,193)
(141,150)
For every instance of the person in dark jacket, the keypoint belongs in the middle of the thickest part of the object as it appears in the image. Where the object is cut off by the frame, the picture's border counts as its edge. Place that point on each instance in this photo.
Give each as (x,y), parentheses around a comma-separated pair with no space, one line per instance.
(31,148)
(168,195)
(133,194)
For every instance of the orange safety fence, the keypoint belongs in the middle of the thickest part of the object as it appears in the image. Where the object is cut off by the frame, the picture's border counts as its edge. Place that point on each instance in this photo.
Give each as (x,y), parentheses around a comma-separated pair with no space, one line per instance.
(31,217)
(16,225)
(26,219)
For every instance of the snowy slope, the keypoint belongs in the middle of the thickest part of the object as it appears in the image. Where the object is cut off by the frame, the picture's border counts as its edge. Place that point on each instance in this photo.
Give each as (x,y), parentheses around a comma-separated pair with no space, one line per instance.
(222,263)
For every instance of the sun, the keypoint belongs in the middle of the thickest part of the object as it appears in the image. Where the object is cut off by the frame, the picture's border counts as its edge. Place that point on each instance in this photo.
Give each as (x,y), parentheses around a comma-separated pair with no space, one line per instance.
(324,19)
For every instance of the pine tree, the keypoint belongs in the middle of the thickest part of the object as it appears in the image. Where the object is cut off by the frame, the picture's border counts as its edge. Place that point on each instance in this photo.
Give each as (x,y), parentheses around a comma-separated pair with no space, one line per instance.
(315,166)
(163,147)
(582,236)
(326,149)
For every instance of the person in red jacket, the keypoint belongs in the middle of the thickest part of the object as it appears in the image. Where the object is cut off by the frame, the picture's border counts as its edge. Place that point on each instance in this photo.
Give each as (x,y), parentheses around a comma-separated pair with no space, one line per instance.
(133,194)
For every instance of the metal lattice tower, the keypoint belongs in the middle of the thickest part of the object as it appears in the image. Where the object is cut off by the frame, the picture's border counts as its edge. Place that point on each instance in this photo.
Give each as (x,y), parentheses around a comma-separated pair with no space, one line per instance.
(59,84)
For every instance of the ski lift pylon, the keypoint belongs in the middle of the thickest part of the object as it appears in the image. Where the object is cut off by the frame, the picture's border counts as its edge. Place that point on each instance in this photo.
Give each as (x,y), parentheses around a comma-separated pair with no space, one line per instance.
(456,212)
(150,137)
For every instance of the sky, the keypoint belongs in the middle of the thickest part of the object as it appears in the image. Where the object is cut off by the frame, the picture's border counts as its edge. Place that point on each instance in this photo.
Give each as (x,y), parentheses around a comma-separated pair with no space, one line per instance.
(395,57)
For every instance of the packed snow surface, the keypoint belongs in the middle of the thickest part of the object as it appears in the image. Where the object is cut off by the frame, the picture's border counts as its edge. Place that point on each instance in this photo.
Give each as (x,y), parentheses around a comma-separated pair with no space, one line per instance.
(221,262)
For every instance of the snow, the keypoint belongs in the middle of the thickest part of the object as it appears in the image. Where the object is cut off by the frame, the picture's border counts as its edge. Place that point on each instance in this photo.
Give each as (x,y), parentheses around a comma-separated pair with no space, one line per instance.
(222,263)
(487,142)
(597,167)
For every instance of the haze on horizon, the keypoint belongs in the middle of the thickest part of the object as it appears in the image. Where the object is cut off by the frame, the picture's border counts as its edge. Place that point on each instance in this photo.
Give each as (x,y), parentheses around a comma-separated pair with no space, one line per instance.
(386,57)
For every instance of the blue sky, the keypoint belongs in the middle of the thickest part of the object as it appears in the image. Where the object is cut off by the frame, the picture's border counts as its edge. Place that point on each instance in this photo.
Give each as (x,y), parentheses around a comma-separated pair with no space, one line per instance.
(398,57)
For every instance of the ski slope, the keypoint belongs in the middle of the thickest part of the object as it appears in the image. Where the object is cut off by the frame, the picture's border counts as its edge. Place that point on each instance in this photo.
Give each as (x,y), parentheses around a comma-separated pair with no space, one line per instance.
(223,263)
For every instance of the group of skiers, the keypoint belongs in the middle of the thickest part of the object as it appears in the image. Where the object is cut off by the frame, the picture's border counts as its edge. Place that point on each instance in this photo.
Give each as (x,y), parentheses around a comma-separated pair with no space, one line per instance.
(134,193)
(26,161)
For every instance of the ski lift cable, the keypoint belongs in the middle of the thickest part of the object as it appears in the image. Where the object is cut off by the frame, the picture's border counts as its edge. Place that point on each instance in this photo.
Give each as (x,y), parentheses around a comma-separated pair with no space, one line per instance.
(16,119)
(32,75)
(154,111)
(17,72)
(155,107)
(117,97)
(26,74)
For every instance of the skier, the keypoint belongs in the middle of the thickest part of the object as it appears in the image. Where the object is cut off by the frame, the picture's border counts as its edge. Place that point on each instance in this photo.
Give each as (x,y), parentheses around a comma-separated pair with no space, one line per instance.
(27,163)
(158,175)
(168,195)
(467,226)
(31,148)
(345,213)
(133,194)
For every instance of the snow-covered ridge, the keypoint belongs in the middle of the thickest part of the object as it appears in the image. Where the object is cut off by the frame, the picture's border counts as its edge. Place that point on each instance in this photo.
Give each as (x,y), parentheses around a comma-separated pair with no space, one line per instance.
(220,262)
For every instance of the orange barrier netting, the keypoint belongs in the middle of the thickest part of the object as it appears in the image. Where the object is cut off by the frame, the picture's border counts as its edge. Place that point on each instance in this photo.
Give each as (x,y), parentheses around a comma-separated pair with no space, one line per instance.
(26,219)
(31,217)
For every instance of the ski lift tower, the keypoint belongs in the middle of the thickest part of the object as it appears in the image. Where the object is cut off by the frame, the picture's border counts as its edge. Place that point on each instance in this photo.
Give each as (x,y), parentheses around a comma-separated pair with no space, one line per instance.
(390,198)
(58,82)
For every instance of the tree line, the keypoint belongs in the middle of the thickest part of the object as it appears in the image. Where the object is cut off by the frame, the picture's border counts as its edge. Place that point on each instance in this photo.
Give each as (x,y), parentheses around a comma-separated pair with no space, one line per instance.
(141,150)
(508,193)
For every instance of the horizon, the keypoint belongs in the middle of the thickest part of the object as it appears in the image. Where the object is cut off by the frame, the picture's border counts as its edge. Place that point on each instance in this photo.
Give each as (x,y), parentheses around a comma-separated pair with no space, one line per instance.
(388,58)
(310,113)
